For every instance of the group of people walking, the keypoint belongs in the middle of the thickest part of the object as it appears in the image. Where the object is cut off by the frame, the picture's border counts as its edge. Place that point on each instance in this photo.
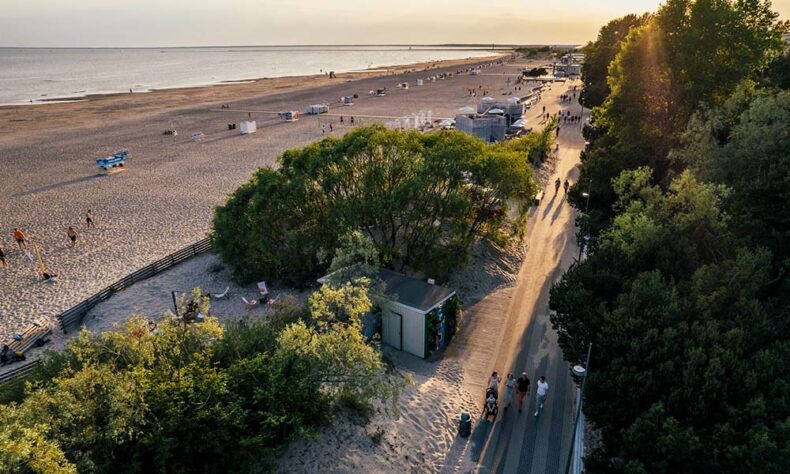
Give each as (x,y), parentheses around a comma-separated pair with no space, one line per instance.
(22,242)
(518,388)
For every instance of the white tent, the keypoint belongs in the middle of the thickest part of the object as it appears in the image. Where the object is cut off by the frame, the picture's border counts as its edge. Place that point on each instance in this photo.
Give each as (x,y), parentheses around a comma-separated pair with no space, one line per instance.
(447,123)
(513,100)
(496,111)
(316,109)
(466,111)
(488,99)
(248,127)
(520,123)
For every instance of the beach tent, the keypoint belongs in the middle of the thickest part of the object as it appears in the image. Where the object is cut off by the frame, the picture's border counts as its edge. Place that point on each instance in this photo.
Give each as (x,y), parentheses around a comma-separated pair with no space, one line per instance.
(496,111)
(316,109)
(466,110)
(419,82)
(513,100)
(447,123)
(488,99)
(520,123)
(247,127)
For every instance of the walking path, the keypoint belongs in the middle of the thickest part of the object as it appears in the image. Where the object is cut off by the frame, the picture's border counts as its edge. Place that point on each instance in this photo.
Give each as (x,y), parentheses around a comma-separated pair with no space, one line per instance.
(523,443)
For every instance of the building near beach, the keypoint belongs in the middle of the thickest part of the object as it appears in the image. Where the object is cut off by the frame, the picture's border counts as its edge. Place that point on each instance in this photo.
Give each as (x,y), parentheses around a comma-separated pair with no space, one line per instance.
(490,126)
(512,108)
(416,316)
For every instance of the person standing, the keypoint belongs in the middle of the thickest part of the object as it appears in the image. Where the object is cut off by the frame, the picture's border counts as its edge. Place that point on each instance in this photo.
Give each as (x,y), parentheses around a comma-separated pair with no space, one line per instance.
(3,261)
(522,384)
(510,389)
(72,235)
(543,389)
(89,219)
(565,186)
(21,238)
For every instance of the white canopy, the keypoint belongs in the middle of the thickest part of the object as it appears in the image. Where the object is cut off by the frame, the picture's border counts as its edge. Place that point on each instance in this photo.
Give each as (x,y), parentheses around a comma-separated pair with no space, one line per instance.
(447,123)
(488,99)
(466,110)
(520,123)
(495,111)
(513,100)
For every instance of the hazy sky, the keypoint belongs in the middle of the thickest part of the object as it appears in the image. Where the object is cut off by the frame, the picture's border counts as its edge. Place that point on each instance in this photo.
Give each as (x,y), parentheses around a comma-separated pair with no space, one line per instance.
(240,22)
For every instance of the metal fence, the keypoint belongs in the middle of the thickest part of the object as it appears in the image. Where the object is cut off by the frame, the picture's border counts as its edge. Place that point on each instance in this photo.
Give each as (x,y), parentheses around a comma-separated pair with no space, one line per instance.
(72,318)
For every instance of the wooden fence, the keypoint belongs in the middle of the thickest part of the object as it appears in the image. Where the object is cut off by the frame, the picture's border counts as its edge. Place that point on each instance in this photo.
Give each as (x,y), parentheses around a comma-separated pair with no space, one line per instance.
(72,318)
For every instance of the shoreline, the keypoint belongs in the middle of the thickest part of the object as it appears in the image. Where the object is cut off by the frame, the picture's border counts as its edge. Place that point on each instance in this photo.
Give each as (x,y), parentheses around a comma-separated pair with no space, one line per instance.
(375,69)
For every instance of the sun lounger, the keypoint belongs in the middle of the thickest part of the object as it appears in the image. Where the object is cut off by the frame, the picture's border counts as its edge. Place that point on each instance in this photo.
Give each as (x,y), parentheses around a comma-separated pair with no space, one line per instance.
(219,296)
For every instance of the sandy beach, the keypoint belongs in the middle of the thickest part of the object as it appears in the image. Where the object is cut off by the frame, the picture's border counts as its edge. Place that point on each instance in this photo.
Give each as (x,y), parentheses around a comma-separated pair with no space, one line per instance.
(166,197)
(165,201)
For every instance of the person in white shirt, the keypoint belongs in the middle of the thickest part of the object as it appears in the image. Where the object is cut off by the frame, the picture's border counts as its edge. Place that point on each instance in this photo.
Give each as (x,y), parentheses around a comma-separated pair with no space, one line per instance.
(543,389)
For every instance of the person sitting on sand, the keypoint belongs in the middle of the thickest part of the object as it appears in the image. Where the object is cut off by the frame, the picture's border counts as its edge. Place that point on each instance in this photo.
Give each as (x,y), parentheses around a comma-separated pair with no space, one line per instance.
(72,235)
(89,219)
(21,238)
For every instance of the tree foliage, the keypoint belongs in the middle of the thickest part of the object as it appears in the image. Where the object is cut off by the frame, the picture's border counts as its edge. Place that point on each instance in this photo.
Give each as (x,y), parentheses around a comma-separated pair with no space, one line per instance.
(421,199)
(689,53)
(684,292)
(194,397)
(599,54)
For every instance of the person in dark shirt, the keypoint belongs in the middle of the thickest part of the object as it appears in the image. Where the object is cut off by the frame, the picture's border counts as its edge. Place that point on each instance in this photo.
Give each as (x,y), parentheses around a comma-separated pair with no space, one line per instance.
(523,388)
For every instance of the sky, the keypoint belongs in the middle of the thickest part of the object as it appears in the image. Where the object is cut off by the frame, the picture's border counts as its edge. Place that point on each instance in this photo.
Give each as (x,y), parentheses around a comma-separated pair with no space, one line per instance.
(151,23)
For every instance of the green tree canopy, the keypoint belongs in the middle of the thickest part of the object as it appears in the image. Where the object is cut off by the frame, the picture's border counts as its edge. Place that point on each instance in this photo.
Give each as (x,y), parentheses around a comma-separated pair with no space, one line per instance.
(421,199)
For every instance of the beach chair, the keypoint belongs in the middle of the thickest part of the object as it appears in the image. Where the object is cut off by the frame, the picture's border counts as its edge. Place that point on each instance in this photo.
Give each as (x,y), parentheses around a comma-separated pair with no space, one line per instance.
(219,296)
(249,303)
(262,288)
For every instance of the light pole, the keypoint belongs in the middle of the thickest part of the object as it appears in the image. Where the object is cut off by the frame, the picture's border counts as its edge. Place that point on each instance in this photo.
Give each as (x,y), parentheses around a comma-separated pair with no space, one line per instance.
(579,371)
(586,212)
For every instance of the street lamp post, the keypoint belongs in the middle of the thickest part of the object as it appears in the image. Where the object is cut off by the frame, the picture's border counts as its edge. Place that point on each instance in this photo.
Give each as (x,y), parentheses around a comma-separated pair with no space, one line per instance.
(587,212)
(582,372)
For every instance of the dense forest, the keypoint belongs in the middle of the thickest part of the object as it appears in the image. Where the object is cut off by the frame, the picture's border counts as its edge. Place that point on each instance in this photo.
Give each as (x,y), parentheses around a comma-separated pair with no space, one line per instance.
(684,292)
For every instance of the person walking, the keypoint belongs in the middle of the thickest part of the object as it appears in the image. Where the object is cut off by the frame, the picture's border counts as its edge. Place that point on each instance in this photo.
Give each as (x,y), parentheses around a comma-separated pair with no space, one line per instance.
(493,382)
(565,186)
(3,261)
(89,219)
(557,183)
(21,238)
(522,384)
(510,389)
(72,235)
(543,389)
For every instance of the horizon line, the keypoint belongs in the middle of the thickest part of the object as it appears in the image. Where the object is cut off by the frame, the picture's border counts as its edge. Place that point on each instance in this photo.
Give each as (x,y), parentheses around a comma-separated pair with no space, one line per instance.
(444,45)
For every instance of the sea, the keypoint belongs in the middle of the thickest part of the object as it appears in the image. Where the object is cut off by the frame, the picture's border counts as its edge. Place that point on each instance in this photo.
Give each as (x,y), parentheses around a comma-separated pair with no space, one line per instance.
(36,75)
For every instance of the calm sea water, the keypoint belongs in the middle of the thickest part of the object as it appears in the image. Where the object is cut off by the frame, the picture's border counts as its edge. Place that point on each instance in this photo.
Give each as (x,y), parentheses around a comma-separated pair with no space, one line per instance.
(37,74)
